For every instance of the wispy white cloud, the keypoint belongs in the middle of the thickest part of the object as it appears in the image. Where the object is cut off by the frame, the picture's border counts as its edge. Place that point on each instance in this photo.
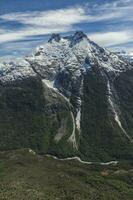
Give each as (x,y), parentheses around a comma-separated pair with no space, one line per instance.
(35,23)
(114,5)
(8,36)
(42,23)
(46,22)
(64,17)
(121,9)
(61,17)
(112,38)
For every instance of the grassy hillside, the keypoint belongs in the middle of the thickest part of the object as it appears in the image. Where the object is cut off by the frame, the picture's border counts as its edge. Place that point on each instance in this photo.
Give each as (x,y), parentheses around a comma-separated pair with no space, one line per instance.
(28,176)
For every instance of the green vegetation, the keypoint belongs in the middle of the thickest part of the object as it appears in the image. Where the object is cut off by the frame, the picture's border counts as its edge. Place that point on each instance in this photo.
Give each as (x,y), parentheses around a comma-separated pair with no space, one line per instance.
(28,176)
(30,117)
(124,84)
(101,137)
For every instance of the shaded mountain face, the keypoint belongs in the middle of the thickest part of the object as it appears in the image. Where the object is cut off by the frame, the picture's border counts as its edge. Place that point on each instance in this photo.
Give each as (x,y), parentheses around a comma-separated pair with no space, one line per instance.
(70,97)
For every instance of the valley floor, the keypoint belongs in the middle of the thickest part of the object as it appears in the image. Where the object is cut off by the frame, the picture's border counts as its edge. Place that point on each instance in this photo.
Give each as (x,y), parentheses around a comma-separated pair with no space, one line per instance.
(24,175)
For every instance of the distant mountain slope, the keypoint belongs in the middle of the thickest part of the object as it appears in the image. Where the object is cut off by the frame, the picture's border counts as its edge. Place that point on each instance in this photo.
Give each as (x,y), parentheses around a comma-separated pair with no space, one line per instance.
(69,97)
(126,56)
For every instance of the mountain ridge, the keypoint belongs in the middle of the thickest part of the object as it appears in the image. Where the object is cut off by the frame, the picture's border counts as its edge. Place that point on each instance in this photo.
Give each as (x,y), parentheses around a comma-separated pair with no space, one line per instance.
(79,96)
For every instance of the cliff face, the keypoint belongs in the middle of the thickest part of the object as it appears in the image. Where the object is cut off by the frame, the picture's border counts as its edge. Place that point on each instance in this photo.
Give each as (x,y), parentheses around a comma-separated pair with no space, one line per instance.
(70,97)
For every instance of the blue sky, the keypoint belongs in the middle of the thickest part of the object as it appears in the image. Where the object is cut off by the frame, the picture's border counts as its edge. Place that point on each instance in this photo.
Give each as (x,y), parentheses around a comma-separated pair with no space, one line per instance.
(24,24)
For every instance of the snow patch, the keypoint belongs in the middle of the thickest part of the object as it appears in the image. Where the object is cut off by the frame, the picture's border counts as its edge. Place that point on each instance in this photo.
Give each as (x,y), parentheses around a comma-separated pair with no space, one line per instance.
(72,138)
(61,130)
(17,70)
(116,116)
(50,84)
(32,152)
(78,119)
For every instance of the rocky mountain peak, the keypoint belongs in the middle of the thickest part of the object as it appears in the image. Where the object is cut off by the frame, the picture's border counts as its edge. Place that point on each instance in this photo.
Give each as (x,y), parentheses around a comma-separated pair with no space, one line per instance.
(55,36)
(75,38)
(79,35)
(71,54)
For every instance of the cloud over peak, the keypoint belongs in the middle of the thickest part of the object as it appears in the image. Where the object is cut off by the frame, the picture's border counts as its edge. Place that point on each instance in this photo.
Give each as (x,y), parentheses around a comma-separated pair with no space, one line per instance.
(94,18)
(112,38)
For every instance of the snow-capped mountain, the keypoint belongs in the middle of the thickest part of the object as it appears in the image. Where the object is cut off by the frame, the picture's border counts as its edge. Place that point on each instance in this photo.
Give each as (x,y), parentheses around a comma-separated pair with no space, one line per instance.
(76,53)
(69,97)
(128,56)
